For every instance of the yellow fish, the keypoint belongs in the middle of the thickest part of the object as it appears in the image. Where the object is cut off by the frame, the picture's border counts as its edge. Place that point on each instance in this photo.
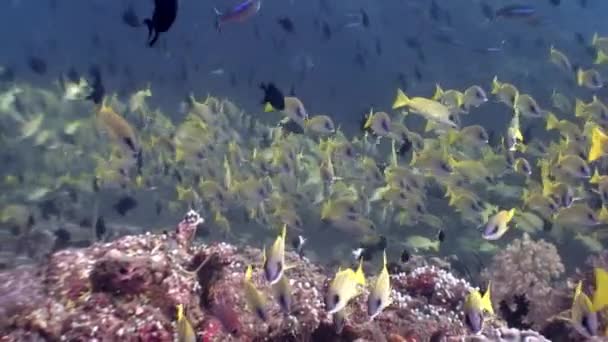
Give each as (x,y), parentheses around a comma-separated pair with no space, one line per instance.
(599,144)
(474,307)
(430,109)
(185,332)
(343,288)
(497,225)
(380,296)
(600,296)
(582,316)
(254,298)
(560,60)
(274,259)
(590,78)
(505,92)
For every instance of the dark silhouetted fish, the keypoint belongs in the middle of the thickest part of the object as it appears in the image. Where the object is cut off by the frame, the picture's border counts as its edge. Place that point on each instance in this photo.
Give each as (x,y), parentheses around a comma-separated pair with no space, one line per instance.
(98,91)
(555,2)
(238,13)
(417,73)
(378,46)
(124,205)
(326,30)
(273,95)
(364,18)
(286,24)
(37,65)
(130,18)
(163,17)
(100,228)
(583,3)
(515,11)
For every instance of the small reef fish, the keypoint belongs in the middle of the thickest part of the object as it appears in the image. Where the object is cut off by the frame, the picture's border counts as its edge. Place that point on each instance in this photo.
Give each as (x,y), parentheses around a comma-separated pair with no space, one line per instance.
(343,288)
(474,307)
(497,225)
(239,13)
(163,17)
(185,332)
(274,259)
(255,299)
(380,296)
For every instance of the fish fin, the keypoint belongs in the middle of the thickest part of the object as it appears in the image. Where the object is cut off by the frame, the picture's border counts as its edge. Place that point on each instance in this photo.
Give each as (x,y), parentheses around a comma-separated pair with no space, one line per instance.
(359,275)
(268,107)
(598,140)
(552,121)
(600,296)
(401,100)
(580,77)
(486,300)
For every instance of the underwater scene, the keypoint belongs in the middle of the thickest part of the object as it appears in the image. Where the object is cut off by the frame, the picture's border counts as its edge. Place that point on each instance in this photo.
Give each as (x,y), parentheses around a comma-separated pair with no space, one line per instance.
(304,170)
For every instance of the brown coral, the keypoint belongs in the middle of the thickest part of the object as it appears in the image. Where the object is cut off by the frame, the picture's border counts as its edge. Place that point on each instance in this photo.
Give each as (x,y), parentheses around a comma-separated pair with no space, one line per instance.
(530,268)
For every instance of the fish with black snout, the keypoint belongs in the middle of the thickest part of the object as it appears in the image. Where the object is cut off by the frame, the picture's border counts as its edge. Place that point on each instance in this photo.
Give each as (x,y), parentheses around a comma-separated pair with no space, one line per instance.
(163,17)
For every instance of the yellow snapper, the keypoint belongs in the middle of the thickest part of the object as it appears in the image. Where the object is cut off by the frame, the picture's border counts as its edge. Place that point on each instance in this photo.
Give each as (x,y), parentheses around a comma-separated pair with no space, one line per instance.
(475,305)
(343,288)
(380,296)
(254,298)
(429,109)
(600,296)
(185,332)
(274,259)
(561,102)
(417,242)
(321,124)
(474,96)
(497,225)
(582,316)
(527,106)
(599,144)
(379,123)
(560,60)
(589,78)
(505,92)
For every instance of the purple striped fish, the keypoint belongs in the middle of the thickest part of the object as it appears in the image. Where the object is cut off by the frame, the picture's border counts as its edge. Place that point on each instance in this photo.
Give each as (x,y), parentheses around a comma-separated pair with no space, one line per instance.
(238,13)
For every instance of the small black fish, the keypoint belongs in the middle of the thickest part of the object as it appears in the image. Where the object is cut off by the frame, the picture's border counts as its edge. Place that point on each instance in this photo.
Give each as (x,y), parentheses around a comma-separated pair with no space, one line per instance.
(273,95)
(326,31)
(378,47)
(291,127)
(125,204)
(417,73)
(487,11)
(286,24)
(165,12)
(583,3)
(130,18)
(405,256)
(158,207)
(441,235)
(405,147)
(413,42)
(37,65)
(98,90)
(402,79)
(555,2)
(100,228)
(63,236)
(579,38)
(364,18)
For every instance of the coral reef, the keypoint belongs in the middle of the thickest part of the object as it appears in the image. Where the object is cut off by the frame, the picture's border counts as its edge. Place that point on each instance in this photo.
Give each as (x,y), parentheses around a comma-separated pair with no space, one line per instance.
(525,272)
(128,289)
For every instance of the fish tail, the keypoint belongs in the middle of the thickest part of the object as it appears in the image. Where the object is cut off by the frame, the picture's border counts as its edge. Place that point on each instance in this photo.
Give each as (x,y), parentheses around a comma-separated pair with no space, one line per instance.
(152,33)
(579,108)
(495,85)
(600,296)
(598,141)
(401,100)
(580,77)
(552,122)
(594,39)
(486,300)
(602,57)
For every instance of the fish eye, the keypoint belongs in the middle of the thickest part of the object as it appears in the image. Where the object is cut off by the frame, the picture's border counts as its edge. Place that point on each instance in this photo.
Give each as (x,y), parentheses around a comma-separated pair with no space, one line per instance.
(384,125)
(582,169)
(451,117)
(512,99)
(402,195)
(328,126)
(591,217)
(489,179)
(444,166)
(336,299)
(532,108)
(479,95)
(419,208)
(493,229)
(483,136)
(552,206)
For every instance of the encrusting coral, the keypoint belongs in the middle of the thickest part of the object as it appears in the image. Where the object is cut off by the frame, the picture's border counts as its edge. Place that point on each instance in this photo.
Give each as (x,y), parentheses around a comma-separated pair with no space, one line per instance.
(128,290)
(525,272)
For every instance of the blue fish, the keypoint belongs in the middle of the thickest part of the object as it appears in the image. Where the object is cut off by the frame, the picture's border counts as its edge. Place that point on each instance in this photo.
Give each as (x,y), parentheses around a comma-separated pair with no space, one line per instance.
(238,13)
(515,11)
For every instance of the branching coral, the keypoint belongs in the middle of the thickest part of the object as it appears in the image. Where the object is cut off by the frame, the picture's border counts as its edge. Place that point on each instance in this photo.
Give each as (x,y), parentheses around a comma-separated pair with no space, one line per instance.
(527,267)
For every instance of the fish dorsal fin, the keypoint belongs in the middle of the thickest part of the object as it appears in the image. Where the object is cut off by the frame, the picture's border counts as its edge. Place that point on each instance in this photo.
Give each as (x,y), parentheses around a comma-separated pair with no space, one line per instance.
(248,273)
(486,300)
